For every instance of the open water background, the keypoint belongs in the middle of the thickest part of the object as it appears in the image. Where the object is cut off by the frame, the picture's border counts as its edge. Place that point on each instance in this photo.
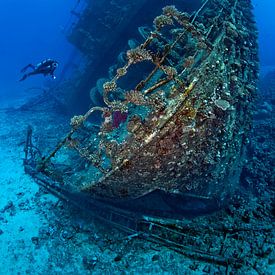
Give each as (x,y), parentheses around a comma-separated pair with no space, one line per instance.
(32,30)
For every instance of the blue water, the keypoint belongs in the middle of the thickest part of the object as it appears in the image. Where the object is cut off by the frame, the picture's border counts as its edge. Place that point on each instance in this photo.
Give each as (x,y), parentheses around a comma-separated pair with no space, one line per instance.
(34,30)
(30,32)
(265,13)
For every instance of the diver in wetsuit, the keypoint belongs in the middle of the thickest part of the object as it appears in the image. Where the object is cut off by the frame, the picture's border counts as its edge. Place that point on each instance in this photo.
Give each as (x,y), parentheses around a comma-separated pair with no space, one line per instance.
(46,67)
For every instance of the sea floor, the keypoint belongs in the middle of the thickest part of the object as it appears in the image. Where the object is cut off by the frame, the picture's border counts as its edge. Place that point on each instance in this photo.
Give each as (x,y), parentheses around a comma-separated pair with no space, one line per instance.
(41,235)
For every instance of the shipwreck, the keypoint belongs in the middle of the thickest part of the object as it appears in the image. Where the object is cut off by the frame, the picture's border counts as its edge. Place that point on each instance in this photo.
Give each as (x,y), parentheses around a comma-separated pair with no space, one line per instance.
(176,111)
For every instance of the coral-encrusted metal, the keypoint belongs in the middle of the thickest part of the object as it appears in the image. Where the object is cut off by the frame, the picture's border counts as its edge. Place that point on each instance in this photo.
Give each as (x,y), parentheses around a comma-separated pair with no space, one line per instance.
(198,97)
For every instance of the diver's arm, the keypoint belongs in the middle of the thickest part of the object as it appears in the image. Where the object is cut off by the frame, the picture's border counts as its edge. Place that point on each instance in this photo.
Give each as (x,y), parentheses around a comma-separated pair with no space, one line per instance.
(52,75)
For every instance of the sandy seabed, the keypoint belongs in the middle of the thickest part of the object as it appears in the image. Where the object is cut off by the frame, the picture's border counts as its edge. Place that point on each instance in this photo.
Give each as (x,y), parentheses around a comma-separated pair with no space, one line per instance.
(41,235)
(38,234)
(20,219)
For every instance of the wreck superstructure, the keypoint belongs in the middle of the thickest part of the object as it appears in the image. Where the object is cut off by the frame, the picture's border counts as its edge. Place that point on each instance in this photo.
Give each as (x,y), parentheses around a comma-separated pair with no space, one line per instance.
(104,29)
(176,113)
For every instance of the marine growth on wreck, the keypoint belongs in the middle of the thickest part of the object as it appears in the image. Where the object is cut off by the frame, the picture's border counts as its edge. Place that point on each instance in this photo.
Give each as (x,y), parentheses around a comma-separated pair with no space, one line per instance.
(176,113)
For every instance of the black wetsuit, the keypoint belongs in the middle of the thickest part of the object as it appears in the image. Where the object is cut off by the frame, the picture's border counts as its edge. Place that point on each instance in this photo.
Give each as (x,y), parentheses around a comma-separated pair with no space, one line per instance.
(46,67)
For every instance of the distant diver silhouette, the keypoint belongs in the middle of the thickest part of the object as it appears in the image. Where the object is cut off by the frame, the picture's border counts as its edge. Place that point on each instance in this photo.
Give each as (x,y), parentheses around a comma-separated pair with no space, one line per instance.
(46,67)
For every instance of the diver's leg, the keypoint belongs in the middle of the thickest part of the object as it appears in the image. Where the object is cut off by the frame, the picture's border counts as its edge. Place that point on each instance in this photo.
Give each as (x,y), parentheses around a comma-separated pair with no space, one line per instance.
(28,74)
(24,77)
(28,66)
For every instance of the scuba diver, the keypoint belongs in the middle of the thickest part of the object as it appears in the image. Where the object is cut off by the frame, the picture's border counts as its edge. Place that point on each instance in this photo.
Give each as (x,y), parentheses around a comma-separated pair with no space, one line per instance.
(46,67)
